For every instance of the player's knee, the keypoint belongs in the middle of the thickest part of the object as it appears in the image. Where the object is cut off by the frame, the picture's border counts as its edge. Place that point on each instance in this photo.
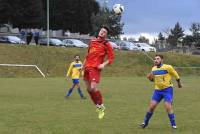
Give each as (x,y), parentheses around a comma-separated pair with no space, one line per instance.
(152,108)
(168,107)
(93,88)
(88,89)
(78,85)
(169,110)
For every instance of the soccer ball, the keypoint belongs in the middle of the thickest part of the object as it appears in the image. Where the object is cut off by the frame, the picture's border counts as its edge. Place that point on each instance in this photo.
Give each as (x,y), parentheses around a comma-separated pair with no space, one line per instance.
(118,9)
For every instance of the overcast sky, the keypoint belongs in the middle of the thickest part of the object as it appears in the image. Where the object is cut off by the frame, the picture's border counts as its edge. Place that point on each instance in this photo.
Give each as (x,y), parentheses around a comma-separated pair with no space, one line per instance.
(154,16)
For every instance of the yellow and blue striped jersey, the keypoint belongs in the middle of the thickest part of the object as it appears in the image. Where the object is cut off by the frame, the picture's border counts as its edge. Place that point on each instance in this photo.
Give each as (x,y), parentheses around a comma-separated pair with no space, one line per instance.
(163,76)
(75,70)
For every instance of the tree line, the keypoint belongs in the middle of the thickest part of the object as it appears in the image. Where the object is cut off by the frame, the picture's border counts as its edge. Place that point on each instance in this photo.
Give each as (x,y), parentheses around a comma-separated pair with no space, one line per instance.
(176,35)
(77,16)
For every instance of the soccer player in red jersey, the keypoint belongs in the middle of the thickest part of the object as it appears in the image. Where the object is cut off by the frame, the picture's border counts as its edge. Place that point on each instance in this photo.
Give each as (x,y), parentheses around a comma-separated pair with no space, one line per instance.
(98,49)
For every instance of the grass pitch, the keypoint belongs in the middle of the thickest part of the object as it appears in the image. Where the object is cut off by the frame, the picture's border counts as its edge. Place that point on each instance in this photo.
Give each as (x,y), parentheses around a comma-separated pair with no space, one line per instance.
(38,106)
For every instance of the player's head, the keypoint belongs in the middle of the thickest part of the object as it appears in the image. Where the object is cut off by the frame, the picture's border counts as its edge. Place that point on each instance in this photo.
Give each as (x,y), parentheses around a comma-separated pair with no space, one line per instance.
(76,57)
(158,60)
(104,31)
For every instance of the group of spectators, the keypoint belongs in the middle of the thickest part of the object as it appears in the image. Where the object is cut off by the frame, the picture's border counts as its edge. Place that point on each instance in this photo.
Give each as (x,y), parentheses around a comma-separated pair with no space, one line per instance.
(29,34)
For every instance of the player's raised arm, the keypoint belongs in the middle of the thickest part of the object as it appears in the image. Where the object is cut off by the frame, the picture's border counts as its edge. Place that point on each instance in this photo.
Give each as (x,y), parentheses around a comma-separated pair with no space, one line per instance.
(179,83)
(110,53)
(110,56)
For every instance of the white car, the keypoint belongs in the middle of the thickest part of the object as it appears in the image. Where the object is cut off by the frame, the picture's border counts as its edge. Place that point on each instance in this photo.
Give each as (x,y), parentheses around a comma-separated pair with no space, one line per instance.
(74,43)
(126,45)
(52,42)
(114,46)
(11,39)
(145,47)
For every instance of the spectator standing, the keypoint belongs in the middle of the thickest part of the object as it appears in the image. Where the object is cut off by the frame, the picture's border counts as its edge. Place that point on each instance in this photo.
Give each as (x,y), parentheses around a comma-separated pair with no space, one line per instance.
(36,36)
(29,36)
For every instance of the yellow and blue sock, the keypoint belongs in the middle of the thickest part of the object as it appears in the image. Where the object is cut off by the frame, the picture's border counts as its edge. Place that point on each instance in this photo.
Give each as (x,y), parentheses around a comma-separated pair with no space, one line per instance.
(172,119)
(147,117)
(69,92)
(80,92)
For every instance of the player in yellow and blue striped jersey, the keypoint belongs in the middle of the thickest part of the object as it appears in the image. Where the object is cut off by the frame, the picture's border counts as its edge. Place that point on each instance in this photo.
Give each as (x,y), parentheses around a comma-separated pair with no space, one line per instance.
(75,71)
(161,75)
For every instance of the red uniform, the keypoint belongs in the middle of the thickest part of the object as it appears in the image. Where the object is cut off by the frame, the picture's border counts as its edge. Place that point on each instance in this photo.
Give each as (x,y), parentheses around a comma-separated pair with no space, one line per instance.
(98,49)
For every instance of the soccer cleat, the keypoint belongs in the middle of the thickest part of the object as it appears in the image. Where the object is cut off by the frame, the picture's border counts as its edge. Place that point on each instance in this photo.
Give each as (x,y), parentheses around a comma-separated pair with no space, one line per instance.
(101,113)
(143,125)
(83,98)
(174,127)
(100,109)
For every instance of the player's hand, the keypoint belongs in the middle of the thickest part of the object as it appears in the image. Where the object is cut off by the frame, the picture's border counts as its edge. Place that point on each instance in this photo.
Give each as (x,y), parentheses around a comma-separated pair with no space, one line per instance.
(67,78)
(179,85)
(82,68)
(150,76)
(101,66)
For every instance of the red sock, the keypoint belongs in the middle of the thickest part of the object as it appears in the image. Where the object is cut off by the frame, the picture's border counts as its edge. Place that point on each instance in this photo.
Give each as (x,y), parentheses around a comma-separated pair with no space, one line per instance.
(92,96)
(98,97)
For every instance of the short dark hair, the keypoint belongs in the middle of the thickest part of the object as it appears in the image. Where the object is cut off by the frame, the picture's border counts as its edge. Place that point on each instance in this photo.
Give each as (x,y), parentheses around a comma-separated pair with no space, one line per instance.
(76,55)
(160,55)
(106,27)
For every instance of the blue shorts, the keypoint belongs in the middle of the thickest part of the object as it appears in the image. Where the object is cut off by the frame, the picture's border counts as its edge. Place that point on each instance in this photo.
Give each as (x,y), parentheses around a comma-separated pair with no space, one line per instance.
(166,94)
(75,81)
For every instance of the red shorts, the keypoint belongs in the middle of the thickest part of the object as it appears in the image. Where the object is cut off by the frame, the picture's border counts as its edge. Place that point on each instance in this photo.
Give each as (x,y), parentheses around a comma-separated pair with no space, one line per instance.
(92,74)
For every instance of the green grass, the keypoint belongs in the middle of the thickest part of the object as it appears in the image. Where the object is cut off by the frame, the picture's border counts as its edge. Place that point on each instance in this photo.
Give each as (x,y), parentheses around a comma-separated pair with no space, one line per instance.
(38,106)
(53,61)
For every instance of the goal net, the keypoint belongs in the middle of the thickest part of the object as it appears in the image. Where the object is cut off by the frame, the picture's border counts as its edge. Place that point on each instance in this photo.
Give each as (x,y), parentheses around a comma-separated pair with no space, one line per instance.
(20,70)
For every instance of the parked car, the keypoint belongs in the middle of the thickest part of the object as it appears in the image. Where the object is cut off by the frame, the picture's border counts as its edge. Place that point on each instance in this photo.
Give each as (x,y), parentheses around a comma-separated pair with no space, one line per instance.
(74,43)
(145,47)
(3,40)
(114,45)
(52,42)
(11,39)
(125,45)
(196,52)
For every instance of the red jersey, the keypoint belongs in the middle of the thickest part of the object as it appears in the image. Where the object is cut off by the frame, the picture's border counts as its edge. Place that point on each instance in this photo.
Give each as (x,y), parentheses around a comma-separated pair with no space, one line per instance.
(98,49)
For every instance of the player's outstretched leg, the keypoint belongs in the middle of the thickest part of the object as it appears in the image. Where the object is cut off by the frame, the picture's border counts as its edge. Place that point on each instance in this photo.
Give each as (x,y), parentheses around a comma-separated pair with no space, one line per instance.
(172,120)
(98,101)
(70,91)
(168,107)
(149,114)
(81,93)
(97,98)
(99,104)
(146,119)
(101,111)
